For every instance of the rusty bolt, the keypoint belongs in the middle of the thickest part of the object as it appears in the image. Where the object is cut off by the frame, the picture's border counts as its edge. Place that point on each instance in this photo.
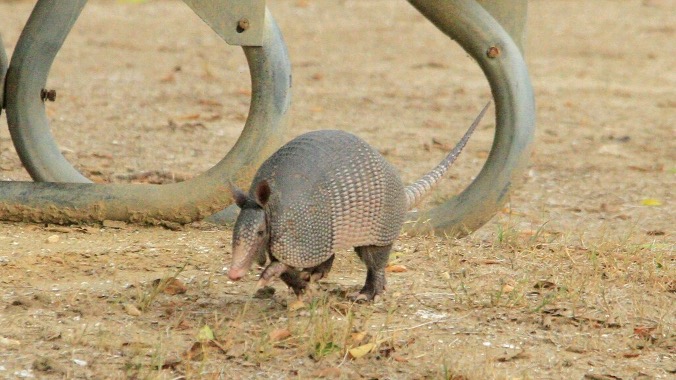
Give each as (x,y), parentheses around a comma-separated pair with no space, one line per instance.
(48,95)
(493,52)
(242,25)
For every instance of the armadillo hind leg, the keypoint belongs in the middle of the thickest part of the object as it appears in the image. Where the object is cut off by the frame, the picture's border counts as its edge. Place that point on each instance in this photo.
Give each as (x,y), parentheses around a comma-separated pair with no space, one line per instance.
(290,276)
(375,259)
(318,272)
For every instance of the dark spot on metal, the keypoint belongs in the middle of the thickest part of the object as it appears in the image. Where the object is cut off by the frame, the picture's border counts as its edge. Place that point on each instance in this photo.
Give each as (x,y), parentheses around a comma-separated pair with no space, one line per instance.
(493,52)
(242,25)
(48,95)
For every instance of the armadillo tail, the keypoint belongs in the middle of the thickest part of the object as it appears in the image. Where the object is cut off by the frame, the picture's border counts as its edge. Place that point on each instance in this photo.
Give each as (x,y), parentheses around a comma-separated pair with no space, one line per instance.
(416,191)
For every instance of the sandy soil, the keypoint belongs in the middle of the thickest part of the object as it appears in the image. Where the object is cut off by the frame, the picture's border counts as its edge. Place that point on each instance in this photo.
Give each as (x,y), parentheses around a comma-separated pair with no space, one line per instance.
(574,279)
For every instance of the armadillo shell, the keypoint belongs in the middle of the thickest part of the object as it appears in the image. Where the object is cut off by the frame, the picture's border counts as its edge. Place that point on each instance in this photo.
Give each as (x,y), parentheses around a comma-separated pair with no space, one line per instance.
(330,190)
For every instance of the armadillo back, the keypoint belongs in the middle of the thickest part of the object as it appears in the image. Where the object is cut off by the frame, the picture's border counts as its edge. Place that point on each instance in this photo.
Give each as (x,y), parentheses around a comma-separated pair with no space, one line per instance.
(330,190)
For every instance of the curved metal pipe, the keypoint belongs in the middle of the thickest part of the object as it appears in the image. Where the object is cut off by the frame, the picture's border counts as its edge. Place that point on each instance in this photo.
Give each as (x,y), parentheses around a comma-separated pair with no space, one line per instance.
(466,22)
(180,202)
(40,41)
(3,73)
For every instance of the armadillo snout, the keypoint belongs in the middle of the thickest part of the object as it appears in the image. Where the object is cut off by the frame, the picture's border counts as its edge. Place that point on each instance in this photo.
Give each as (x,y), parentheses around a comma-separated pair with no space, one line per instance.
(236,274)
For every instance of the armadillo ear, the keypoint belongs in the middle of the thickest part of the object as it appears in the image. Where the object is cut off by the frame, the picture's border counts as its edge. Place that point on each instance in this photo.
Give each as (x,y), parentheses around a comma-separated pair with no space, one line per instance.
(238,195)
(262,193)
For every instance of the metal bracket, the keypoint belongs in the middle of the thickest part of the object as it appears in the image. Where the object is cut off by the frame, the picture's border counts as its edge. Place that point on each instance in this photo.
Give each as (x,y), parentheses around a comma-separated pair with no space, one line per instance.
(238,22)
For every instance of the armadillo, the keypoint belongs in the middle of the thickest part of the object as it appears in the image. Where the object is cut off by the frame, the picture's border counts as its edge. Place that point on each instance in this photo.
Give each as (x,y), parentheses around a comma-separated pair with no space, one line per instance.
(321,192)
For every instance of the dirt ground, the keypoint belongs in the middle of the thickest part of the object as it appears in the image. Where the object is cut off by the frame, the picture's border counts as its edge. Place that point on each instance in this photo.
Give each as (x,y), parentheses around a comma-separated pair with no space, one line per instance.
(574,279)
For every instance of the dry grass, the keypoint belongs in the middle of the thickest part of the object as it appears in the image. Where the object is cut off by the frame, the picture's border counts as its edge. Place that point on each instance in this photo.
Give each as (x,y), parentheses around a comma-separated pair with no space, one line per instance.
(513,303)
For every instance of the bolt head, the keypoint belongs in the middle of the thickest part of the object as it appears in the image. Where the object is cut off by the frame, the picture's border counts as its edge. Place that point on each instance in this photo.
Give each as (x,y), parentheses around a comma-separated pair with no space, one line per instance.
(493,52)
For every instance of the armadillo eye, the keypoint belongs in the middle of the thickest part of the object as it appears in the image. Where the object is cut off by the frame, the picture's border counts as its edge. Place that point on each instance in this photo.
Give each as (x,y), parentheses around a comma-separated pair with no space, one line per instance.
(260,233)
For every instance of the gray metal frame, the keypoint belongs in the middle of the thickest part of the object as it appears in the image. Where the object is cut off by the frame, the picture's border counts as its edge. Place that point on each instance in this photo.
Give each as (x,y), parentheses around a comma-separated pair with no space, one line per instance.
(482,37)
(3,72)
(469,22)
(77,200)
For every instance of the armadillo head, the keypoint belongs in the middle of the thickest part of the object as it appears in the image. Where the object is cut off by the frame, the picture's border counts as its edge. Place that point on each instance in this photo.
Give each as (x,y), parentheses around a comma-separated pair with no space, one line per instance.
(251,235)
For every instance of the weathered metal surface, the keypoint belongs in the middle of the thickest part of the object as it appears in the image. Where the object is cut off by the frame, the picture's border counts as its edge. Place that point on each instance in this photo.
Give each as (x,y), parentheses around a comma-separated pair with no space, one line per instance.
(180,202)
(468,23)
(511,15)
(238,22)
(40,41)
(3,72)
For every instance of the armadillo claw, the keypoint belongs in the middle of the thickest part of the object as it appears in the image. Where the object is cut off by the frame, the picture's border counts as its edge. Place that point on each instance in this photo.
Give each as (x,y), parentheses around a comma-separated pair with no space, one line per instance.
(309,276)
(318,272)
(359,297)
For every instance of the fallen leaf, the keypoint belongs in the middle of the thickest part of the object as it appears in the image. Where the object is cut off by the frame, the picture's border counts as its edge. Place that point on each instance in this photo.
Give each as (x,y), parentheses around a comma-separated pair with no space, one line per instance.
(132,310)
(183,325)
(651,202)
(216,343)
(329,372)
(644,332)
(358,337)
(279,334)
(482,154)
(205,334)
(296,305)
(191,116)
(168,78)
(629,355)
(395,268)
(362,350)
(507,288)
(210,102)
(196,352)
(175,286)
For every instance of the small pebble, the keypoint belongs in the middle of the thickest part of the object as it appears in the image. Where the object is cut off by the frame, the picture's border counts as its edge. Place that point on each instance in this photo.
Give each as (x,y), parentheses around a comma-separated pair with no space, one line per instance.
(53,239)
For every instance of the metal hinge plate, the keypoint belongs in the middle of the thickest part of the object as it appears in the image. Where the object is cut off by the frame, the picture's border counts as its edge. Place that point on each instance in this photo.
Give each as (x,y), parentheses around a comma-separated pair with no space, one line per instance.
(238,22)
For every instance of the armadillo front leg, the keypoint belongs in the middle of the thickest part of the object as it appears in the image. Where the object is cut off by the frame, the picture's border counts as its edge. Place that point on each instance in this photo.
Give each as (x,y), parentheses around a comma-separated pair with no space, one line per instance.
(289,275)
(375,259)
